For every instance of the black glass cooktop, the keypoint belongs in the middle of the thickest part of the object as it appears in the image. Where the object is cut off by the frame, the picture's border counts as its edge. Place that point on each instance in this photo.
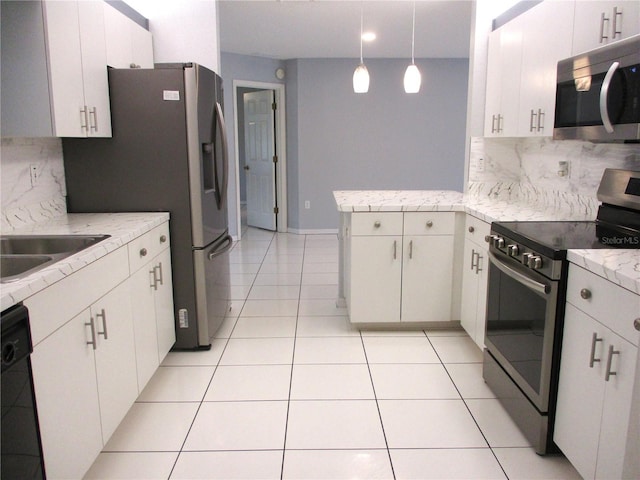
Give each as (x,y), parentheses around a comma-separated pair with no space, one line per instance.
(549,238)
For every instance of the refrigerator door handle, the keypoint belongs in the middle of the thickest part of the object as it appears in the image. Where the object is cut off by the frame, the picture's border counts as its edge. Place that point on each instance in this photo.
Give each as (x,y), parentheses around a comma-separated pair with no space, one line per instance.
(216,250)
(221,189)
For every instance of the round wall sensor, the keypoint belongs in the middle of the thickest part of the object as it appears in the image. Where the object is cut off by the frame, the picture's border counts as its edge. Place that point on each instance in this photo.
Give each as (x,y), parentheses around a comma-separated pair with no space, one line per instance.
(280,73)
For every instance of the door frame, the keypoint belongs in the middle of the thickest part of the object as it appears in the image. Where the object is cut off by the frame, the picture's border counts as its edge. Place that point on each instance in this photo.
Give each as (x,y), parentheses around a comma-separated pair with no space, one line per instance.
(280,147)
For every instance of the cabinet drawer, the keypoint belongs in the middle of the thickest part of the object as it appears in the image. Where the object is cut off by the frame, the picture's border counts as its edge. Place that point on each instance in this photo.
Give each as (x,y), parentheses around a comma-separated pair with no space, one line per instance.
(376,223)
(429,223)
(610,304)
(476,229)
(147,246)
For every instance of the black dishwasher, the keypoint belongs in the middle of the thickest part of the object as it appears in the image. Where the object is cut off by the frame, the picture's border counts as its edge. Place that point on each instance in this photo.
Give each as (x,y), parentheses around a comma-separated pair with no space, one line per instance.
(21,447)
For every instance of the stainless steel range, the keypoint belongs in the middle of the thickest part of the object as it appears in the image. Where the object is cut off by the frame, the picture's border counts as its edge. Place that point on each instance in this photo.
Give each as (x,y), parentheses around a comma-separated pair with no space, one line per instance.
(526,297)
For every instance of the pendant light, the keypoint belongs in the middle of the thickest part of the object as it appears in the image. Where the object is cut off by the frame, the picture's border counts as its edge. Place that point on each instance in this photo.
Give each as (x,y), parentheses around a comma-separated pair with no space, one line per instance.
(412,77)
(361,75)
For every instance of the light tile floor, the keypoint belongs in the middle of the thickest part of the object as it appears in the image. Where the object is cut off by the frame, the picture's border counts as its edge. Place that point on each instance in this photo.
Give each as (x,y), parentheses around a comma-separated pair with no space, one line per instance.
(291,390)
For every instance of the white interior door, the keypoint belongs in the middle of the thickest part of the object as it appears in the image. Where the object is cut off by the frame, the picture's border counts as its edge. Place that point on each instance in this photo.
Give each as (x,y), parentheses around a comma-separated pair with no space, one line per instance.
(259,154)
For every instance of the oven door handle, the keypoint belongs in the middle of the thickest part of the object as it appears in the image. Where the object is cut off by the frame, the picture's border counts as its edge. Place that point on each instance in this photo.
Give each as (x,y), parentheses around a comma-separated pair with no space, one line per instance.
(523,279)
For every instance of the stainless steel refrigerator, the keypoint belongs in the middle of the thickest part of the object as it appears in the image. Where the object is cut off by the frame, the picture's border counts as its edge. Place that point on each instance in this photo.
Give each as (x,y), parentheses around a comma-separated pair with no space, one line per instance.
(168,153)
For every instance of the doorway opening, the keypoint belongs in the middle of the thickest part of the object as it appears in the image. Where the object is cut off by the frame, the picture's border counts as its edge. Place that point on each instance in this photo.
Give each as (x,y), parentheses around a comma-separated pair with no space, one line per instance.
(260,151)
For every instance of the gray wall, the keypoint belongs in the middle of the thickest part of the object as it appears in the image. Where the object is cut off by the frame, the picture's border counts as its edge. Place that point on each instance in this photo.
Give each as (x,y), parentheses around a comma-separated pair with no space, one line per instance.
(385,139)
(247,68)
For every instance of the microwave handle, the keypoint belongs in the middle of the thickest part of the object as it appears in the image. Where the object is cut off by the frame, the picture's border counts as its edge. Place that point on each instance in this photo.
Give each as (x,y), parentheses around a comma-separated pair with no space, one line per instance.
(604,95)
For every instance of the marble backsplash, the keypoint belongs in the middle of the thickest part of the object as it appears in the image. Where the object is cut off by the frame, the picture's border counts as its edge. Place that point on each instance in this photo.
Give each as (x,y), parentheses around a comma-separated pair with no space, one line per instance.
(542,172)
(23,203)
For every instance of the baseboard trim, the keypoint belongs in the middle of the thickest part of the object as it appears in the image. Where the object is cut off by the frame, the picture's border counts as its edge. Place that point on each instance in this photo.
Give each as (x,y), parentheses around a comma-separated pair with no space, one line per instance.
(313,231)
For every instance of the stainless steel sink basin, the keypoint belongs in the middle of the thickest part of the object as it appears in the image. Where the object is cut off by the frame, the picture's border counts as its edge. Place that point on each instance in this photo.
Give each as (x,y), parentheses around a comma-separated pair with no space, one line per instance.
(22,255)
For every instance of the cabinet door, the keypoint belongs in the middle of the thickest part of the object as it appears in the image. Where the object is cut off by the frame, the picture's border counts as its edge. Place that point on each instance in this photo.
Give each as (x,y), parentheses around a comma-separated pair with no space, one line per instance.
(580,391)
(117,38)
(494,85)
(617,406)
(376,269)
(94,68)
(427,276)
(62,27)
(596,23)
(144,323)
(141,46)
(546,39)
(164,305)
(115,357)
(66,391)
(470,284)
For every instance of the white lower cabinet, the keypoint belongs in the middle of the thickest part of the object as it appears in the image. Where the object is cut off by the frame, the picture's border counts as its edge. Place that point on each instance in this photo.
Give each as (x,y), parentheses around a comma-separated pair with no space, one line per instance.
(85,382)
(152,292)
(597,376)
(475,275)
(400,267)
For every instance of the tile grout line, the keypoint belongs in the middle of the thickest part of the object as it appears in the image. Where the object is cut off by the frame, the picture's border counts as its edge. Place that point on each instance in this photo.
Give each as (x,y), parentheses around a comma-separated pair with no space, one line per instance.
(467,406)
(375,396)
(293,355)
(213,374)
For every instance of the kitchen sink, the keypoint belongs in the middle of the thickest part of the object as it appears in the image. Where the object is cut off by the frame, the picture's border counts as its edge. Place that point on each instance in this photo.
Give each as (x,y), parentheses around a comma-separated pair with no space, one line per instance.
(22,255)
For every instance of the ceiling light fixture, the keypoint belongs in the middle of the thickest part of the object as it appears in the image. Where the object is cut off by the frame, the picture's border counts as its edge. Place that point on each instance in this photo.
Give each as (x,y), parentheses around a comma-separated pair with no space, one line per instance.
(361,75)
(412,77)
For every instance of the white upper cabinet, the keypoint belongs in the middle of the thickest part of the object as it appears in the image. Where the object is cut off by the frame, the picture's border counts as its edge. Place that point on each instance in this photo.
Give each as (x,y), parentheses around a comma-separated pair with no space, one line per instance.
(546,38)
(503,80)
(54,71)
(74,33)
(128,44)
(598,23)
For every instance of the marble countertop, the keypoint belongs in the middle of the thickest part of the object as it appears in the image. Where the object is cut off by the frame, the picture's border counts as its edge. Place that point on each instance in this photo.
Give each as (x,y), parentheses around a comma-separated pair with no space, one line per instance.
(620,266)
(123,228)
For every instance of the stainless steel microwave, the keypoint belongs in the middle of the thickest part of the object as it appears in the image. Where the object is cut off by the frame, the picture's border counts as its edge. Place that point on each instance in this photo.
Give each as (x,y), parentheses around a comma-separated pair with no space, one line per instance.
(598,94)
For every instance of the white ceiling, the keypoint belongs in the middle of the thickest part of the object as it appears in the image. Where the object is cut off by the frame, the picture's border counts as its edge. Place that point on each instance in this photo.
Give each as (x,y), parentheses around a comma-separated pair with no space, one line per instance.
(285,29)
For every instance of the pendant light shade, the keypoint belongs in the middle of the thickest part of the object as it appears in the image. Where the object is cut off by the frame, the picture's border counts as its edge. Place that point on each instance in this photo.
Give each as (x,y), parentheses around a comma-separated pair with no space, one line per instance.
(412,77)
(361,79)
(361,74)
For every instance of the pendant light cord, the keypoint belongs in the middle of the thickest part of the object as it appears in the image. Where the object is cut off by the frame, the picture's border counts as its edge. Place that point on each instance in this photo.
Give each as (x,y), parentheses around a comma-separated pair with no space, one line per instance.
(361,27)
(413,35)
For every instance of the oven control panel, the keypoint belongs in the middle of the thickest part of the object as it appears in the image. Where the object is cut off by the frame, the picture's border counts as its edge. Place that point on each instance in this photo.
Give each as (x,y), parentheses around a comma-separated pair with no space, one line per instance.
(502,246)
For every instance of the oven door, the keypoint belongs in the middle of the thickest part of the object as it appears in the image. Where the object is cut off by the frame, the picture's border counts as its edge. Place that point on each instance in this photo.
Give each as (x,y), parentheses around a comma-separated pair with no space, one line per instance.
(521,321)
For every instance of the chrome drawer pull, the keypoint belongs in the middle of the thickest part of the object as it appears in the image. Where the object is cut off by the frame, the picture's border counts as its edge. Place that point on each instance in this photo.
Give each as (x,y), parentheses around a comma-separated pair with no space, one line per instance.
(103,315)
(143,252)
(429,224)
(377,224)
(636,324)
(93,333)
(585,293)
(609,373)
(593,358)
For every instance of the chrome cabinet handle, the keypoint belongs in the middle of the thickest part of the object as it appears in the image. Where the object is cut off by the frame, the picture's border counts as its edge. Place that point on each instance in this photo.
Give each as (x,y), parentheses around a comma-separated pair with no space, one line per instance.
(473,255)
(609,373)
(614,29)
(540,120)
(532,117)
(429,224)
(83,115)
(103,316)
(479,259)
(143,252)
(500,120)
(410,249)
(585,293)
(163,238)
(604,96)
(94,124)
(395,249)
(603,19)
(592,358)
(154,281)
(160,276)
(92,342)
(377,224)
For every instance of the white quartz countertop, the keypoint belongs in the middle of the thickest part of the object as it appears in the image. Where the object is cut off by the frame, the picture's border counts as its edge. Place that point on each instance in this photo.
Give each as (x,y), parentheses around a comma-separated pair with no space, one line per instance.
(620,266)
(123,228)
